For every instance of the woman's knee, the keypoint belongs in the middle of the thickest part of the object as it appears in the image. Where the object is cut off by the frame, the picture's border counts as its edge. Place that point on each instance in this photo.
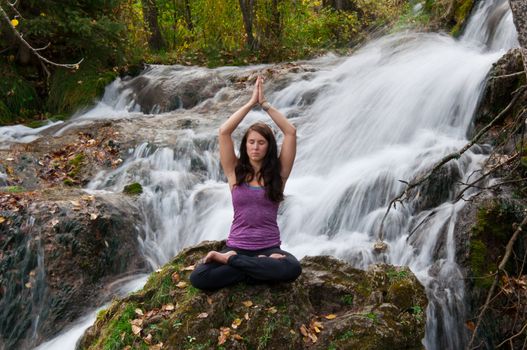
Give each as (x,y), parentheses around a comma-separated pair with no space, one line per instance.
(292,271)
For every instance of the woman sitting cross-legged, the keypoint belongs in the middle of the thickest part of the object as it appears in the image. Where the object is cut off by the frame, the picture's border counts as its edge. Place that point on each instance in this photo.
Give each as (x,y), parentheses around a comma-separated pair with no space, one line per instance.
(257,181)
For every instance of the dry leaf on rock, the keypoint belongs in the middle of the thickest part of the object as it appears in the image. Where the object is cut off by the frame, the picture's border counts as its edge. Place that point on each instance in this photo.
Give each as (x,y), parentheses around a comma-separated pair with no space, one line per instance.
(2,219)
(247,303)
(209,300)
(175,277)
(148,339)
(189,268)
(303,330)
(136,329)
(181,284)
(168,307)
(156,347)
(137,322)
(94,216)
(203,315)
(224,334)
(272,310)
(139,312)
(330,316)
(246,316)
(236,323)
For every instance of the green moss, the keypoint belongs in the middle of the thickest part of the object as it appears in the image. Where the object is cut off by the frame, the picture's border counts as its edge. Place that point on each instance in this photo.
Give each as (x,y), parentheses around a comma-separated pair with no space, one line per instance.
(268,330)
(133,189)
(461,14)
(345,336)
(120,330)
(394,275)
(347,299)
(14,189)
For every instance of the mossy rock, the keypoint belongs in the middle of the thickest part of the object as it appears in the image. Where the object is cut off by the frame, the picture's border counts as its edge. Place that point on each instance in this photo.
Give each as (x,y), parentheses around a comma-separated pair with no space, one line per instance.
(350,308)
(133,189)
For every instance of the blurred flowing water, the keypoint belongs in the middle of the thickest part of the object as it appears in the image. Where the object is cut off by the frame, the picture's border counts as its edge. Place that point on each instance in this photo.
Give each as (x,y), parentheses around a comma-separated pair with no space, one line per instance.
(387,113)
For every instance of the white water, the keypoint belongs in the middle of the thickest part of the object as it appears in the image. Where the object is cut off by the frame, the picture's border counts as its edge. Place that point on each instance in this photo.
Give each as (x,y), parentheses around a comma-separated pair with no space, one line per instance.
(385,114)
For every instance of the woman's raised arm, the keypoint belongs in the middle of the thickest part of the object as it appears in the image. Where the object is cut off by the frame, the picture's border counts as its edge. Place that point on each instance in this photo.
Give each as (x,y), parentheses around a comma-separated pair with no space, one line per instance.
(227,156)
(288,151)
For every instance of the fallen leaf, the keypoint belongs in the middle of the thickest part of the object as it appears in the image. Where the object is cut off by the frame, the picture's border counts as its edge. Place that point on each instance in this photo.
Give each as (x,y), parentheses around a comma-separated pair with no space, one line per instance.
(10,159)
(93,216)
(137,322)
(247,303)
(75,203)
(303,330)
(54,222)
(175,277)
(330,316)
(209,300)
(313,337)
(224,334)
(148,339)
(246,316)
(28,285)
(2,219)
(236,323)
(471,326)
(156,347)
(292,332)
(237,337)
(136,329)
(139,312)
(272,310)
(181,284)
(168,307)
(203,315)
(189,268)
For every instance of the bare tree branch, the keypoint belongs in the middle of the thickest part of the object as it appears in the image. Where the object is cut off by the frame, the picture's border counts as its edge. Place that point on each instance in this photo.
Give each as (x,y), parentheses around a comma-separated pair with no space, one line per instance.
(36,51)
(380,245)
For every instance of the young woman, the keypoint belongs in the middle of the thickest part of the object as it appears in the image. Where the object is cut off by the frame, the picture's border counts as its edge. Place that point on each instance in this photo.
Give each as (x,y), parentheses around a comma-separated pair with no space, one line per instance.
(257,181)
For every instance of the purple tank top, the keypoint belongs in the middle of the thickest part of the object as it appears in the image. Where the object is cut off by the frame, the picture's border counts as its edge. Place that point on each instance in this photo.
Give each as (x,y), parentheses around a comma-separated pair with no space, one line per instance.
(254,225)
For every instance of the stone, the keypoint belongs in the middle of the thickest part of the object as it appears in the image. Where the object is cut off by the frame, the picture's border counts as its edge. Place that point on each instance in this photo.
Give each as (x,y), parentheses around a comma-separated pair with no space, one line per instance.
(330,306)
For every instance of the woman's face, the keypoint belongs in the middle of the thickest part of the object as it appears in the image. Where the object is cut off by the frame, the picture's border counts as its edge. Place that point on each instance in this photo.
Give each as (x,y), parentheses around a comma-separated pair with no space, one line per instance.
(256,146)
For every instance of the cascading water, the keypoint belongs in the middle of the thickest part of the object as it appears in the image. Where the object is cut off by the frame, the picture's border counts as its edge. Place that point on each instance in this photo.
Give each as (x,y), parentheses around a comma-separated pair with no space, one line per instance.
(385,114)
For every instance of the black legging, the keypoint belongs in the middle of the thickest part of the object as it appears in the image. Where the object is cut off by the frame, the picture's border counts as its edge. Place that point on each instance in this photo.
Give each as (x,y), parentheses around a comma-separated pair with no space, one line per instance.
(246,266)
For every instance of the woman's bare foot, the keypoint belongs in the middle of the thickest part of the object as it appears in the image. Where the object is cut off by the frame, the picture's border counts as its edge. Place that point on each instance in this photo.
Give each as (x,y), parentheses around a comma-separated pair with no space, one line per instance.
(274,256)
(218,257)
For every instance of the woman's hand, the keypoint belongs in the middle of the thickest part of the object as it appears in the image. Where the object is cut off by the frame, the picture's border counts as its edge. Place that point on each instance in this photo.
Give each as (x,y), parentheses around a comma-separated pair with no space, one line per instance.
(256,90)
(261,98)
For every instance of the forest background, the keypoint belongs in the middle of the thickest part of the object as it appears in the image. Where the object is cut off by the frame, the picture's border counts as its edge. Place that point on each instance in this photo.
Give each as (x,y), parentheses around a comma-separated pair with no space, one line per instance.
(118,37)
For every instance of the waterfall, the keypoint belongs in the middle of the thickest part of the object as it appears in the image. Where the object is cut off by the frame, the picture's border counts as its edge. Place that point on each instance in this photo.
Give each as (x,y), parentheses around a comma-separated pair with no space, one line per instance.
(365,122)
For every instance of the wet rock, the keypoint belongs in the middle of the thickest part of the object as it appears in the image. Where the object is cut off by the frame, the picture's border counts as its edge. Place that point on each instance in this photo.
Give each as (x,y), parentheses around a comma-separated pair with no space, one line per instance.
(58,252)
(505,77)
(519,14)
(331,306)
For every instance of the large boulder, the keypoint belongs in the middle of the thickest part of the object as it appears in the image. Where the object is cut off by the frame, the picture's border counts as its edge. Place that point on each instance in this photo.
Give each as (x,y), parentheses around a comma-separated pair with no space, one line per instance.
(330,306)
(58,248)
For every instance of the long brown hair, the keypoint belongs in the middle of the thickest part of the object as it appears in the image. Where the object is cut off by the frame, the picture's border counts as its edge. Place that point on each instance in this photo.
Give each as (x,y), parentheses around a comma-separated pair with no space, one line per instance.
(270,171)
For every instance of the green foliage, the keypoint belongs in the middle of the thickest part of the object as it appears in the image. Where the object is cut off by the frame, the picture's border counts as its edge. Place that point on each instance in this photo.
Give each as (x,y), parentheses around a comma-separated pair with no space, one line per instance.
(394,275)
(14,189)
(19,97)
(71,90)
(347,299)
(346,335)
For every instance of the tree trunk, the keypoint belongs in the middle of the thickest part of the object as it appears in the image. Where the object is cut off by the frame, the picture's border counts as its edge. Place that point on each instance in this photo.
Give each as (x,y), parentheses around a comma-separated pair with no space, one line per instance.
(276,25)
(519,14)
(150,13)
(248,13)
(188,17)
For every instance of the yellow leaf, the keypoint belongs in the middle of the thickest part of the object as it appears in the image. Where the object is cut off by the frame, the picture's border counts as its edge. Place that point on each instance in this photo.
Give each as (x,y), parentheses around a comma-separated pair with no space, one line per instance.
(203,315)
(272,310)
(2,219)
(247,303)
(224,334)
(14,22)
(237,337)
(313,337)
(303,330)
(139,312)
(209,300)
(246,316)
(236,323)
(181,284)
(330,316)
